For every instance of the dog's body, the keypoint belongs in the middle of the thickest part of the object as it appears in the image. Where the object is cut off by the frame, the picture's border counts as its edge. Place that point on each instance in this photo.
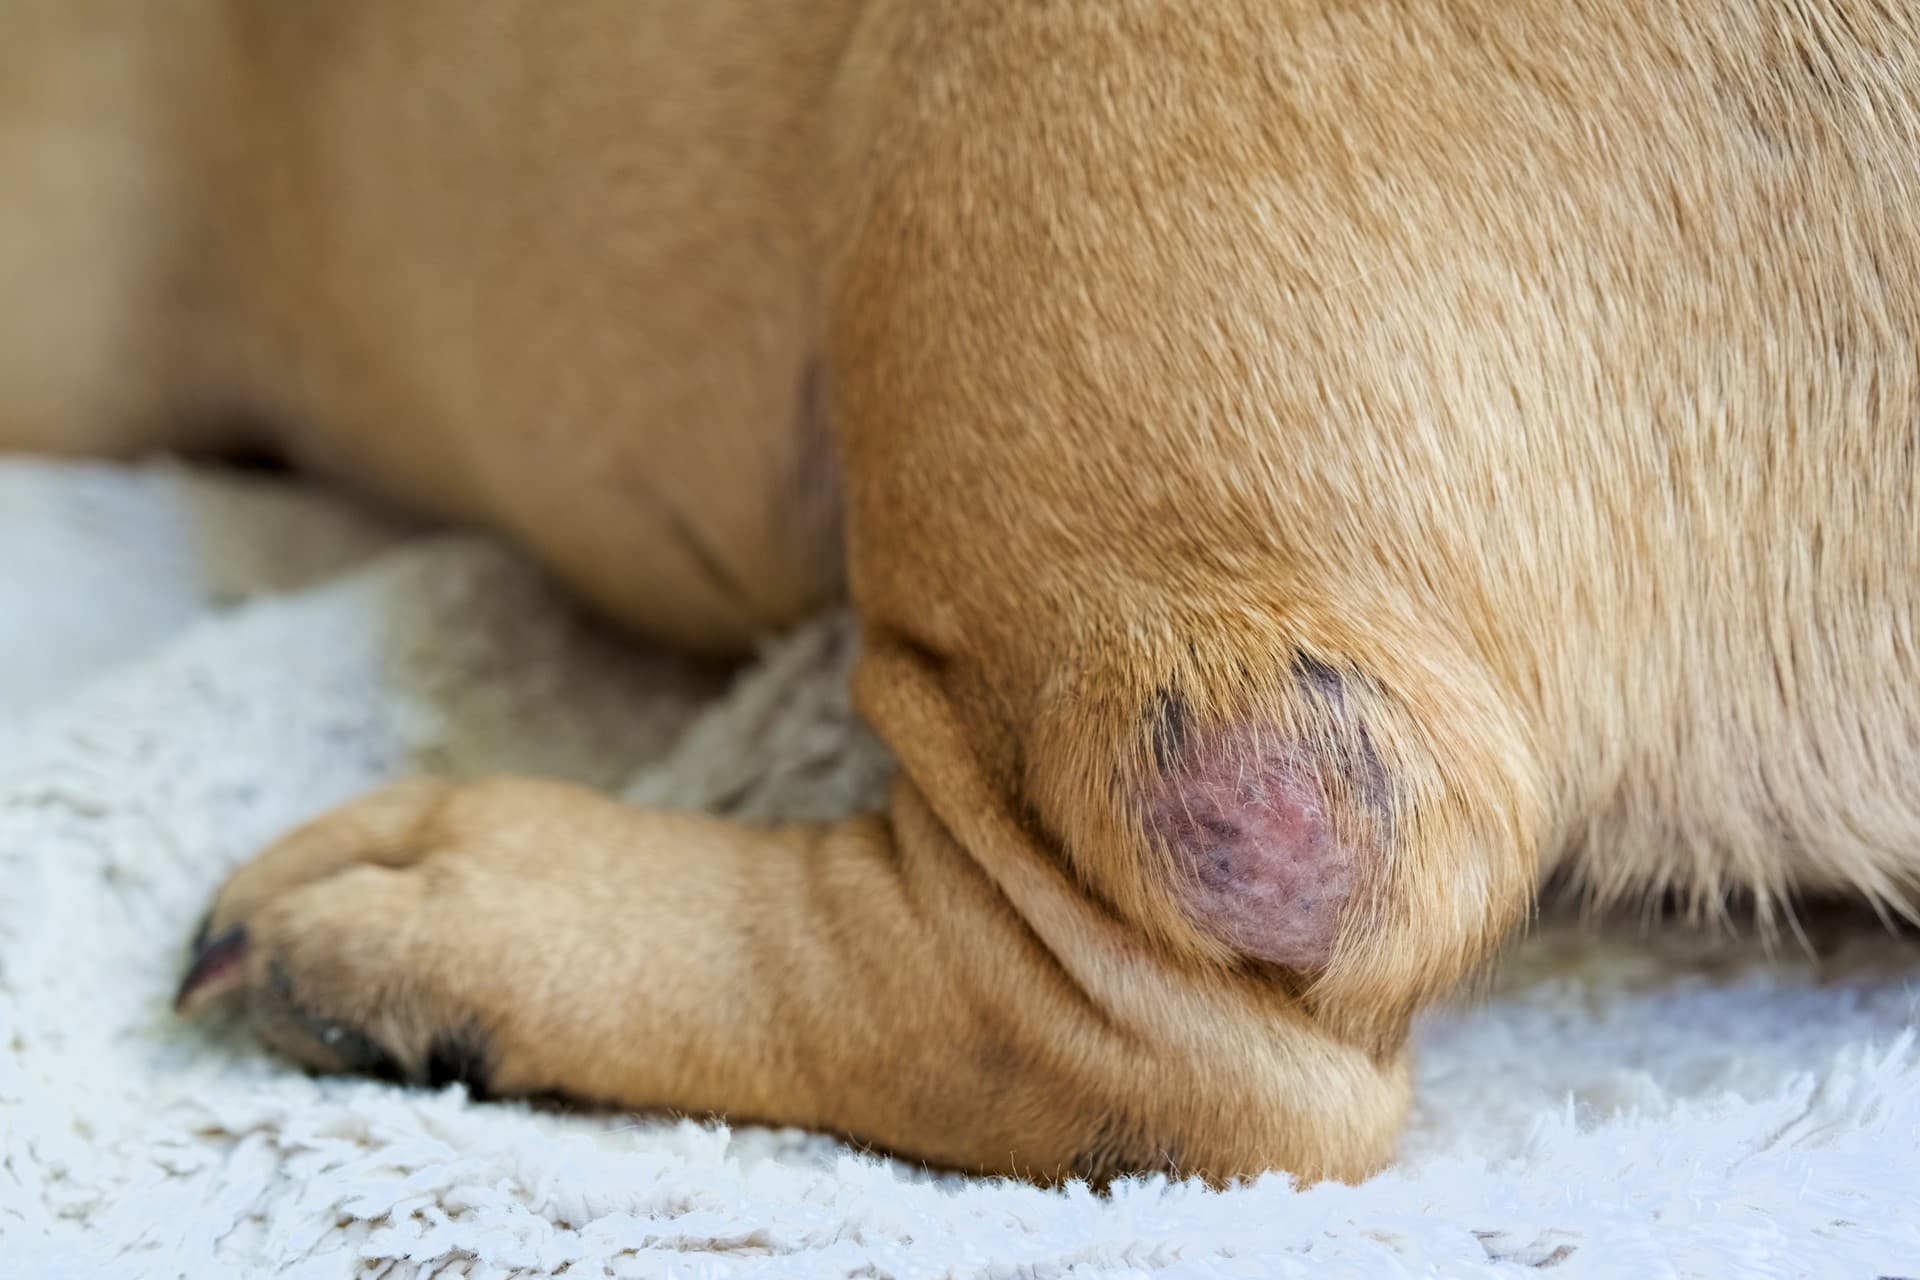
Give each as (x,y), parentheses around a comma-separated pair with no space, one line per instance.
(1310,472)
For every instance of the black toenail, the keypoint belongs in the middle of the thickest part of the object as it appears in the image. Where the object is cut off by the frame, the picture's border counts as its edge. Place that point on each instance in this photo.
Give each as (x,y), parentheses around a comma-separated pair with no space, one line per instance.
(211,959)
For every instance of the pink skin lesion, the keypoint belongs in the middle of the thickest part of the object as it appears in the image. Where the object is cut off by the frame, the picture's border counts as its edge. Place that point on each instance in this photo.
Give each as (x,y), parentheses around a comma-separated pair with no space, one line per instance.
(1244,811)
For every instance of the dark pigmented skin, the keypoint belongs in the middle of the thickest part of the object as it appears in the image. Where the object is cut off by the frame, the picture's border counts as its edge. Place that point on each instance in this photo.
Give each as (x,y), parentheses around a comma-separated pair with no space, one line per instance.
(1167,725)
(462,1056)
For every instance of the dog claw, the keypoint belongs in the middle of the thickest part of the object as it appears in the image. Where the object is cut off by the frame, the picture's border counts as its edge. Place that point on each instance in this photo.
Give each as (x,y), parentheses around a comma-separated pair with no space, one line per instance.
(216,963)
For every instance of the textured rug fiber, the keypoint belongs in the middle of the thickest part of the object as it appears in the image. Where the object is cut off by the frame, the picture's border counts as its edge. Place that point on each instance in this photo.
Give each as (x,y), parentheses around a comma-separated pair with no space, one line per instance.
(190,662)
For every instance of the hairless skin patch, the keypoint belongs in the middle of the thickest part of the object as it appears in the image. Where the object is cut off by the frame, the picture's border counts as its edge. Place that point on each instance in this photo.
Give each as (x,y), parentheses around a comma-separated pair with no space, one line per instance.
(1246,811)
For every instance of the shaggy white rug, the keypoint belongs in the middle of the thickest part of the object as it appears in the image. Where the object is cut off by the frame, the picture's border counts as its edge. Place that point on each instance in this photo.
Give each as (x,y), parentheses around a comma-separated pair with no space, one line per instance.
(191,662)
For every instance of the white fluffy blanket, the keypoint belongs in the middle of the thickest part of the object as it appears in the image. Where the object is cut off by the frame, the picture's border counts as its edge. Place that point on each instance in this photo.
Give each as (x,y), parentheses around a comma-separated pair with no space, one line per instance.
(191,662)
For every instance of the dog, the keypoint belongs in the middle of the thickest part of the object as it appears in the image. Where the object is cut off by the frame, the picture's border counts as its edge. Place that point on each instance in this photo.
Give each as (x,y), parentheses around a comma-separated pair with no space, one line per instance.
(1309,473)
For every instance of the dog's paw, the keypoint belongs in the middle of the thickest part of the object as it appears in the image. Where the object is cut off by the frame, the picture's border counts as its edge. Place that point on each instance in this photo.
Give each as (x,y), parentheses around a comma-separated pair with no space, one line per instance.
(417,934)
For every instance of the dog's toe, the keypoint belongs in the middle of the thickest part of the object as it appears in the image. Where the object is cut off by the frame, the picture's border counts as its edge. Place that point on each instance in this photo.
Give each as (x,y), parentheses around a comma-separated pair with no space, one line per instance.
(393,938)
(315,1039)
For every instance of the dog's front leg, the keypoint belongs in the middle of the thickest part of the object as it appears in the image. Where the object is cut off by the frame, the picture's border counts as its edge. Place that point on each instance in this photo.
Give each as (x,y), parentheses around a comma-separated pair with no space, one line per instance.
(866,978)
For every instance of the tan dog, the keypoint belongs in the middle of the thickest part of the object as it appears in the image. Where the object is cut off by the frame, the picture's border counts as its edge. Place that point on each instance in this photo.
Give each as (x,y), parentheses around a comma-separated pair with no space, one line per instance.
(1310,471)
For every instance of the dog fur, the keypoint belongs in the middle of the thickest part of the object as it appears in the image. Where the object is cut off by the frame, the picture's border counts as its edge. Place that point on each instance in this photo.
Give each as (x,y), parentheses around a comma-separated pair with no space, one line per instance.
(1309,473)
